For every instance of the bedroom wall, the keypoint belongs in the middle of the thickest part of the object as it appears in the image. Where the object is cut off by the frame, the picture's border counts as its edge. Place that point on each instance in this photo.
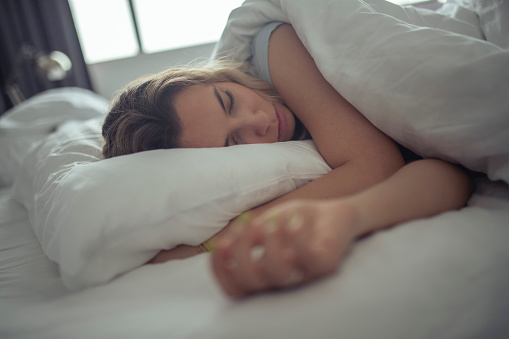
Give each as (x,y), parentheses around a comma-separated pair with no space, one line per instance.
(107,77)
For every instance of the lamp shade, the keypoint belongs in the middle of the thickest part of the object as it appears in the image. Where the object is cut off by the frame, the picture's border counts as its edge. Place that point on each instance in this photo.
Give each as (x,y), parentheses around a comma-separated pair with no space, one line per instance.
(53,67)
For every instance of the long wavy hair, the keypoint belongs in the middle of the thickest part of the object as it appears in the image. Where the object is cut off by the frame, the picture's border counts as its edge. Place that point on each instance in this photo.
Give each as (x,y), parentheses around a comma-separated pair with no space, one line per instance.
(142,116)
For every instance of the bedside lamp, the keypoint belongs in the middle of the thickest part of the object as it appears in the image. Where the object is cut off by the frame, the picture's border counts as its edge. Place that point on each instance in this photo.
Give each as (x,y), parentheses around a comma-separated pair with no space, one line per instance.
(53,67)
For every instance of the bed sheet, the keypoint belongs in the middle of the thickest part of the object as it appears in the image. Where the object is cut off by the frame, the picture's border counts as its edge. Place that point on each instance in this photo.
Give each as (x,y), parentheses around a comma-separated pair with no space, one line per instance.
(443,277)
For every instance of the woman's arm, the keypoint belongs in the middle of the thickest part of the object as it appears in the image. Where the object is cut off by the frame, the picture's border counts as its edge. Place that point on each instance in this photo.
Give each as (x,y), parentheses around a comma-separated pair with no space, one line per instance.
(304,240)
(340,131)
(359,154)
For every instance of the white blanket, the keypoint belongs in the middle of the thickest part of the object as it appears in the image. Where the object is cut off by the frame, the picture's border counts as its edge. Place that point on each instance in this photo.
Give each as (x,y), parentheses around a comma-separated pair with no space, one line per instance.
(428,80)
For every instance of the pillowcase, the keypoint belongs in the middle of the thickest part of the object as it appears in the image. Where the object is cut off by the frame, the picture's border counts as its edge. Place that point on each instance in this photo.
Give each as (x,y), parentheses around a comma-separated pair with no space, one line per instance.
(26,124)
(98,219)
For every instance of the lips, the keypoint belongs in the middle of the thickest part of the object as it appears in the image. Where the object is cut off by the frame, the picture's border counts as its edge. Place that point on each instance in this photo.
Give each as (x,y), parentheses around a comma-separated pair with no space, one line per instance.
(281,124)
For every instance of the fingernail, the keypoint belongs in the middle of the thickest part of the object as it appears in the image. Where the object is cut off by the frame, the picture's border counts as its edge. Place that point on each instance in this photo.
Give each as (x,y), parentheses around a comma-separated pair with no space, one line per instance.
(243,218)
(257,252)
(295,221)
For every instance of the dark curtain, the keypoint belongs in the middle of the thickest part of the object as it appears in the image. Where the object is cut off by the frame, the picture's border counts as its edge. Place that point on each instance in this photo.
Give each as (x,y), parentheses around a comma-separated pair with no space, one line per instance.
(46,25)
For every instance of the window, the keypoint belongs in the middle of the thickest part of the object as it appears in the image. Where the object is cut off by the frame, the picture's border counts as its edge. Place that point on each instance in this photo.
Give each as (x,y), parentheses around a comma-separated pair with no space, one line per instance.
(105,29)
(165,24)
(114,29)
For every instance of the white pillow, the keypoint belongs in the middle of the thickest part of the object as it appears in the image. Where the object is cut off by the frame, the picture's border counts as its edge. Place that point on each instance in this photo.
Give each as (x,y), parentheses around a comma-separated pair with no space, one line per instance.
(98,219)
(32,120)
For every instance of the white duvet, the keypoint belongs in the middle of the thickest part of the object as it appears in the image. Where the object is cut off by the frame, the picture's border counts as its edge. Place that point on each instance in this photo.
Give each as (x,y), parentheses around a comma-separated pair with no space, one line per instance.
(429,81)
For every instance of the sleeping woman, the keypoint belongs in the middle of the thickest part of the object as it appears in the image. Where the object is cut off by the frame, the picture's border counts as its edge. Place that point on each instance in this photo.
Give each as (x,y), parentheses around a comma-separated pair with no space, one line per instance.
(305,234)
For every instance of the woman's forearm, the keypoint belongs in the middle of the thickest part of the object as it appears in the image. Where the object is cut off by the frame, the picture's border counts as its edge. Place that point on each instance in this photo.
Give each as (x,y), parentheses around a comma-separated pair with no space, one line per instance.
(351,178)
(307,239)
(341,182)
(420,189)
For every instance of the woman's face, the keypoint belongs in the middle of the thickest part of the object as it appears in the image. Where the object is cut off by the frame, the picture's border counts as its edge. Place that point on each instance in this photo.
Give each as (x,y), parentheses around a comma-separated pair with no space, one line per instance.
(227,114)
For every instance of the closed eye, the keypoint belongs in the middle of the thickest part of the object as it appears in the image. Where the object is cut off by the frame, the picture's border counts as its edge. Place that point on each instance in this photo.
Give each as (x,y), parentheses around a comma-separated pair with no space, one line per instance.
(232,100)
(219,99)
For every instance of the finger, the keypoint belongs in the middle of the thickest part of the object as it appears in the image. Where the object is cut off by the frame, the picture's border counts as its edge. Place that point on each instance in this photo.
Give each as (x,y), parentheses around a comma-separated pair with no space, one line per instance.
(229,247)
(221,266)
(246,272)
(314,257)
(301,234)
(279,258)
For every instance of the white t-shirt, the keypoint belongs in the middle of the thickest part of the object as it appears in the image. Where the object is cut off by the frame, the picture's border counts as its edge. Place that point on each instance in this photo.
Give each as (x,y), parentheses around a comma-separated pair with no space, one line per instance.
(260,52)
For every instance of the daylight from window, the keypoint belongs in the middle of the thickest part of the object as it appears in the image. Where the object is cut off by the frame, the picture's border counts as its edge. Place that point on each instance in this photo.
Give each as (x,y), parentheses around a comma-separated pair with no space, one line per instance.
(106,30)
(167,24)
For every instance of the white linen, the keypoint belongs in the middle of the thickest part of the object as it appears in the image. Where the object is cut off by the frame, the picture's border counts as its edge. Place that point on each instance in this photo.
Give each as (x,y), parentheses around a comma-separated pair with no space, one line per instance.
(441,92)
(494,20)
(34,119)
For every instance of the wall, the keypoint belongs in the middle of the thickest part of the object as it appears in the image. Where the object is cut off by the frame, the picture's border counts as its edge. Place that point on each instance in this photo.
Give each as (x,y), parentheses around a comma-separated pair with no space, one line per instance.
(108,77)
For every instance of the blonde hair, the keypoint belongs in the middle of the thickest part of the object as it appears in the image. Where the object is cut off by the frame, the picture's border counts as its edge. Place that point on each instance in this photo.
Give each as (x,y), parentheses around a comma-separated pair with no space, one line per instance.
(142,117)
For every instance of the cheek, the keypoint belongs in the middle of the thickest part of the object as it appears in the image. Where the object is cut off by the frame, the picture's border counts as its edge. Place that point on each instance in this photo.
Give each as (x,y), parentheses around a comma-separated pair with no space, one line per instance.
(263,97)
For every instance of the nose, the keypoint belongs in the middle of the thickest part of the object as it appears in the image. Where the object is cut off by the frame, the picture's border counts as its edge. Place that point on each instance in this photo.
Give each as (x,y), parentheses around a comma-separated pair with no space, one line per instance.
(260,123)
(255,127)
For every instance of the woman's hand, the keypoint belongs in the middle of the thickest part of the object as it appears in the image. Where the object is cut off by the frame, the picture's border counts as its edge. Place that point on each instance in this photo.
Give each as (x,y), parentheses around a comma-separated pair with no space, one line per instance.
(288,245)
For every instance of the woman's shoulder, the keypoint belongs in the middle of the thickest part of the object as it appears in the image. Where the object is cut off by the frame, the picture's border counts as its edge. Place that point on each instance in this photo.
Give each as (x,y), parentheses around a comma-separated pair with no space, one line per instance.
(260,51)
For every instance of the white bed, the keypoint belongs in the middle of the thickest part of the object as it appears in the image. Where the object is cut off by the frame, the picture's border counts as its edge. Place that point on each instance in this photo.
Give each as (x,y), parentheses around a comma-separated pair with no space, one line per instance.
(441,277)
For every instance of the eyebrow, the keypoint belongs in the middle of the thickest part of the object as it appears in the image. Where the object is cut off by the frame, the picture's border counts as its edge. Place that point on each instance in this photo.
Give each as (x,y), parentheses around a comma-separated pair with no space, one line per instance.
(220,99)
